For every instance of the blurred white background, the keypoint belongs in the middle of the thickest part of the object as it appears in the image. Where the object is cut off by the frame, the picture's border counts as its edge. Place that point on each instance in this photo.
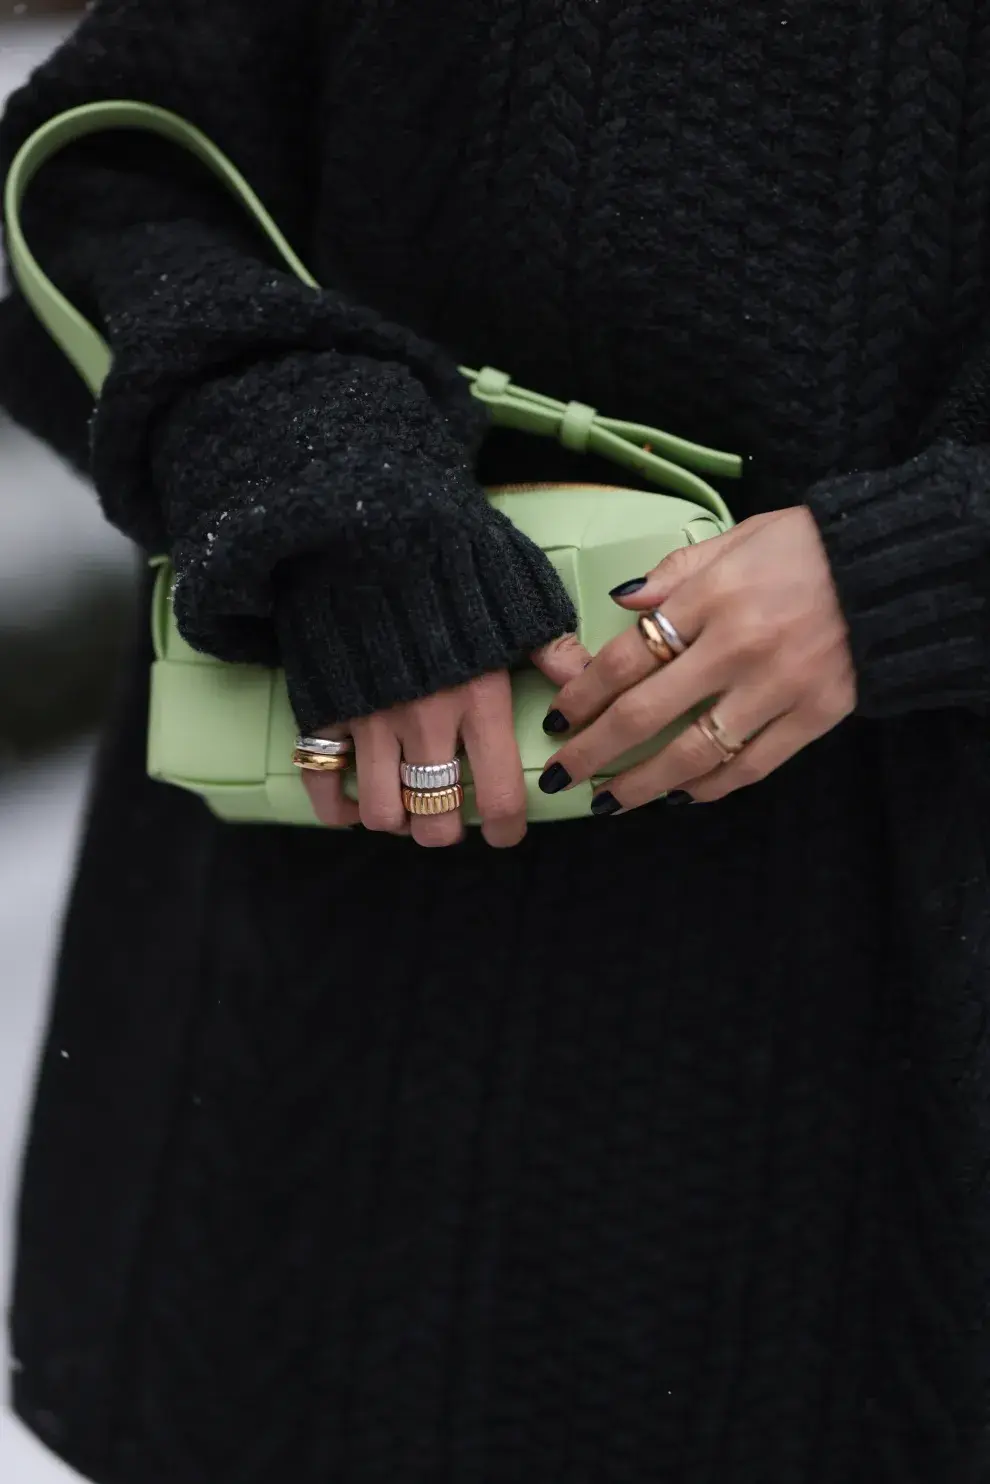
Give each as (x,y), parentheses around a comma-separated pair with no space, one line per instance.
(53,542)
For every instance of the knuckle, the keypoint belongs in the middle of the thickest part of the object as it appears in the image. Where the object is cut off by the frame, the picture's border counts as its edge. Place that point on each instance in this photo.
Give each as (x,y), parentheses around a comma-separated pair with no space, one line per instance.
(821,711)
(633,715)
(694,753)
(623,660)
(327,804)
(754,632)
(749,769)
(825,708)
(674,565)
(328,814)
(382,817)
(502,807)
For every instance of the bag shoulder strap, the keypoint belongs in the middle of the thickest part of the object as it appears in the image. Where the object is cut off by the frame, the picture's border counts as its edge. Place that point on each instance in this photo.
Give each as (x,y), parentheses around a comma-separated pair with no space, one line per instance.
(664,460)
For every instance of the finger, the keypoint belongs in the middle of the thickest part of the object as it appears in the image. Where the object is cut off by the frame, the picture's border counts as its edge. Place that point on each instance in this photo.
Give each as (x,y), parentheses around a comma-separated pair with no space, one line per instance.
(330,804)
(429,733)
(326,790)
(641,593)
(640,713)
(379,785)
(694,755)
(622,663)
(490,741)
(764,754)
(562,660)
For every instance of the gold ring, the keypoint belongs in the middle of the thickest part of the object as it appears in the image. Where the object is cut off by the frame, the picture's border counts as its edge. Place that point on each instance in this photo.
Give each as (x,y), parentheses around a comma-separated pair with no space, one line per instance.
(712,730)
(319,762)
(432,800)
(654,639)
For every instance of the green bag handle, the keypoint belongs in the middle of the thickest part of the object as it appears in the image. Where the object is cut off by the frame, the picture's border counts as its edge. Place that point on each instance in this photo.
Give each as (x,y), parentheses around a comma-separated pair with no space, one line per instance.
(677,466)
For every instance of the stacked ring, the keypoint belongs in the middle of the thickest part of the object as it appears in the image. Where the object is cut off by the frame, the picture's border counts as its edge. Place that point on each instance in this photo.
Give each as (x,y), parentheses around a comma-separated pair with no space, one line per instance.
(673,638)
(654,640)
(661,638)
(323,754)
(422,801)
(431,775)
(431,788)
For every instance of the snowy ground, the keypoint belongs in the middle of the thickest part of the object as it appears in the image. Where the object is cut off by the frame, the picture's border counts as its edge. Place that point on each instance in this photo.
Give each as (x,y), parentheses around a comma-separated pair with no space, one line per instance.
(50,532)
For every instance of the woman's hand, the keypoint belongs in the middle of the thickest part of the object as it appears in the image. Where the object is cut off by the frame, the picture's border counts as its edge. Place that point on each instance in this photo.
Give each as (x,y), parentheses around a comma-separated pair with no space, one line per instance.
(767,644)
(477,715)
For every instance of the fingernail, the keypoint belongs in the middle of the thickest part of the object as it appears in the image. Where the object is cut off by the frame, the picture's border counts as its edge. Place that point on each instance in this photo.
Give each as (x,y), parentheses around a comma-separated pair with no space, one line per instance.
(605,803)
(679,797)
(626,589)
(555,721)
(554,779)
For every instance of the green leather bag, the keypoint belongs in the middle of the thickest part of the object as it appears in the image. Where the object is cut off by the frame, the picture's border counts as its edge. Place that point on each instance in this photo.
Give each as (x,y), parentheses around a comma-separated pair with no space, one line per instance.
(226,731)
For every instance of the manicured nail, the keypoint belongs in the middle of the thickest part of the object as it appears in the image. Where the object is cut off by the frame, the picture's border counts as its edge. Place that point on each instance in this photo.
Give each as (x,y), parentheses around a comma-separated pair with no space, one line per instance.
(679,797)
(555,721)
(626,589)
(605,803)
(554,779)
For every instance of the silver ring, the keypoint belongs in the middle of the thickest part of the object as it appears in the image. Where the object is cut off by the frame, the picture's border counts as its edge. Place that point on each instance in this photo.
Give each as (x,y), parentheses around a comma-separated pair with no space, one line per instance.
(431,775)
(673,638)
(327,746)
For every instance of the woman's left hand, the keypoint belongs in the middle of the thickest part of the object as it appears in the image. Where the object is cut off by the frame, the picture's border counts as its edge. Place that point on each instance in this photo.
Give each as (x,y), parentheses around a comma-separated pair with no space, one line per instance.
(767,645)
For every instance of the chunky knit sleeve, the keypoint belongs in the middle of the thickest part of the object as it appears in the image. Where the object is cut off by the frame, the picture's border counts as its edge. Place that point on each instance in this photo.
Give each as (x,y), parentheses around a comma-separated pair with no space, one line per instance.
(306,463)
(910,552)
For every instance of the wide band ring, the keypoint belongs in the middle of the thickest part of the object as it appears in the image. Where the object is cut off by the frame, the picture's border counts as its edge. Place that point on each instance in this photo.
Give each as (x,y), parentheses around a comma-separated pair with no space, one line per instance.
(422,801)
(326,746)
(654,639)
(320,762)
(431,775)
(713,731)
(668,632)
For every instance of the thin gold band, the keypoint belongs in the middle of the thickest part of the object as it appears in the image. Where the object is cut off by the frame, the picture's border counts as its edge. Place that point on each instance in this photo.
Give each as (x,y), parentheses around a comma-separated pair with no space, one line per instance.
(712,730)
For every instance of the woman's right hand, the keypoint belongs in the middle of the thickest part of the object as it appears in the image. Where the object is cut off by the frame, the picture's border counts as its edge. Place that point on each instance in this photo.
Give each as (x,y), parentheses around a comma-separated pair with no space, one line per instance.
(476,716)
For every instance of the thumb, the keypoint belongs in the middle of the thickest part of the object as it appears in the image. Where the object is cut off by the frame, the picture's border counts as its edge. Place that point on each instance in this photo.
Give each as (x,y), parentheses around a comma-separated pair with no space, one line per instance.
(686,562)
(561,660)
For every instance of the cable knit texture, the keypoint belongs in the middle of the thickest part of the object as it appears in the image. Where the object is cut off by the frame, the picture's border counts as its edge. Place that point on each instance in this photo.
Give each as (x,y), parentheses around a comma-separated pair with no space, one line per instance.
(654,1151)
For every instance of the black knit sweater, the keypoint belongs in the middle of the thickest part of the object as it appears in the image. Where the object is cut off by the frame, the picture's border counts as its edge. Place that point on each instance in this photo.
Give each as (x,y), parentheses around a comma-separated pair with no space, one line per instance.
(749,210)
(667,1161)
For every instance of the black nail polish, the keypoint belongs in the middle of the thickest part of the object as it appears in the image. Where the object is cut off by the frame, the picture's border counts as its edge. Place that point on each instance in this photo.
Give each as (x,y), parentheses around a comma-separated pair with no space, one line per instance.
(626,589)
(554,779)
(678,796)
(555,721)
(605,803)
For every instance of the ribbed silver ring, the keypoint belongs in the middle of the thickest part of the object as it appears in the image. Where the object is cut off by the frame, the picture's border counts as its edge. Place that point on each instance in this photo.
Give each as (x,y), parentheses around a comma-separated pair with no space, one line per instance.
(673,638)
(327,746)
(431,775)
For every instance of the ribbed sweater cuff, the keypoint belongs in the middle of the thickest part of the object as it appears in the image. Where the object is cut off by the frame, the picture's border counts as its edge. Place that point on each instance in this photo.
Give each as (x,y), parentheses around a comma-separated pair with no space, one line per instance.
(908,549)
(480,603)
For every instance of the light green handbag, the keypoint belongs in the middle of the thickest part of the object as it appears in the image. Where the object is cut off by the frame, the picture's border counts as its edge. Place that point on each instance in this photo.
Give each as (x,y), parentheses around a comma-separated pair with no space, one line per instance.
(226,731)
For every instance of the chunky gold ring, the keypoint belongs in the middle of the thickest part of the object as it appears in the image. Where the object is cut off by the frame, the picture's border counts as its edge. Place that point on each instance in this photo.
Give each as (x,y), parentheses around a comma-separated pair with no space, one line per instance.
(654,639)
(432,800)
(677,643)
(713,731)
(320,762)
